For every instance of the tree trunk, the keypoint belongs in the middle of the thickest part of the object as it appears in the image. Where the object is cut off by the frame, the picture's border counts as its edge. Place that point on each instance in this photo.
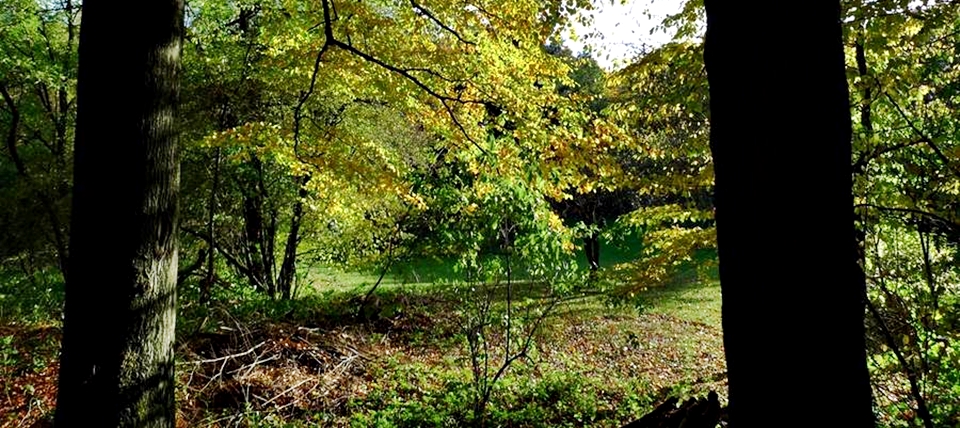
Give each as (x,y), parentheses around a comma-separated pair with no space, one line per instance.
(592,249)
(207,284)
(289,268)
(260,226)
(258,255)
(793,293)
(116,365)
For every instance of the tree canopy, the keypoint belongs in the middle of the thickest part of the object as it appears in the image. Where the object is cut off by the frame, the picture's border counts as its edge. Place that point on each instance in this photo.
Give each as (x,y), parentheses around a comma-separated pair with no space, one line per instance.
(448,173)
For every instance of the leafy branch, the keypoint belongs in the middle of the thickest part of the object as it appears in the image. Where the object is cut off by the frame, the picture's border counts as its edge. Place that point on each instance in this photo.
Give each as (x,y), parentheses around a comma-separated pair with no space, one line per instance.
(950,224)
(426,12)
(407,73)
(924,138)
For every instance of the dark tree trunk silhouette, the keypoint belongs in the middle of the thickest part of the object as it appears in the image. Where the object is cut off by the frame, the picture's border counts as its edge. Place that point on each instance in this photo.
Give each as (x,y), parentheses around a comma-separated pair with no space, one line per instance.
(793,293)
(116,366)
(597,210)
(260,227)
(288,269)
(206,285)
(592,249)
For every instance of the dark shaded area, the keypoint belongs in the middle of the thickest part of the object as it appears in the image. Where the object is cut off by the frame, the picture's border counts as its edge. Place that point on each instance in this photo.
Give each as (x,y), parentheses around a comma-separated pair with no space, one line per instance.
(596,210)
(703,412)
(799,184)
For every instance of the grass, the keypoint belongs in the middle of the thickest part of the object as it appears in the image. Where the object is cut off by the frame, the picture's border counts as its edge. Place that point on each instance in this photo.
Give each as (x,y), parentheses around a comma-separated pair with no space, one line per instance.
(30,299)
(696,299)
(426,271)
(401,360)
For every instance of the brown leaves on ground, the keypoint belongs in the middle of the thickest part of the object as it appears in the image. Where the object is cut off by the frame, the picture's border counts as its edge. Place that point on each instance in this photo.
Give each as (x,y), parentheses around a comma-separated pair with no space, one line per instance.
(28,369)
(293,370)
(662,350)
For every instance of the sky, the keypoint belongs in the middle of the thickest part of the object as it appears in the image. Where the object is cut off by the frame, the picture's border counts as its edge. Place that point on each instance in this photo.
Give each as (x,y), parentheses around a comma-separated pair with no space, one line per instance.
(624,28)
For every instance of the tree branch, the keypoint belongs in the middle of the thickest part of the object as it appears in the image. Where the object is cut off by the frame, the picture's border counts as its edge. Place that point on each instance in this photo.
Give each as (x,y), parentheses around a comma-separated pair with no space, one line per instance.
(868,156)
(330,39)
(305,95)
(950,223)
(230,258)
(910,370)
(185,273)
(406,73)
(923,137)
(12,132)
(433,18)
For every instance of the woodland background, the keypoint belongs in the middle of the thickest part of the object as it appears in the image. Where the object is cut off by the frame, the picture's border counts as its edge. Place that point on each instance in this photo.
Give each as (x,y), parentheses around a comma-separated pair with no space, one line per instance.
(435,214)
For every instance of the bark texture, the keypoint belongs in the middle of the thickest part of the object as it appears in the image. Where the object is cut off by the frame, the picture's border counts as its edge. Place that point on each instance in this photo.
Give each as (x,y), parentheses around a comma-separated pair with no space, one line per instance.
(117,367)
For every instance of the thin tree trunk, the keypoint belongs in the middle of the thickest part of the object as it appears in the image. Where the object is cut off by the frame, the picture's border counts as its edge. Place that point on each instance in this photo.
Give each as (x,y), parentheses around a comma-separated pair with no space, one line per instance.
(269,254)
(268,244)
(59,236)
(253,243)
(912,376)
(261,232)
(793,292)
(925,241)
(116,365)
(592,250)
(866,123)
(596,250)
(289,268)
(210,279)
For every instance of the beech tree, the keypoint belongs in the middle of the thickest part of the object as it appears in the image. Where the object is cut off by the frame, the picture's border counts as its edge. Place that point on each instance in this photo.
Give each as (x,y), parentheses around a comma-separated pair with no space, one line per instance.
(116,366)
(785,166)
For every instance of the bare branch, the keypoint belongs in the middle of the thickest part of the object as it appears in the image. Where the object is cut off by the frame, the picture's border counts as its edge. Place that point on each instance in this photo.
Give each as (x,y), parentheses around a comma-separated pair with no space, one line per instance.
(230,258)
(226,357)
(952,224)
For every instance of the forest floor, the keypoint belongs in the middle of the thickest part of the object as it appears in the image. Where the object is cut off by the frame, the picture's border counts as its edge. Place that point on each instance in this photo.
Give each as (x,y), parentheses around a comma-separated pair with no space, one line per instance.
(404,359)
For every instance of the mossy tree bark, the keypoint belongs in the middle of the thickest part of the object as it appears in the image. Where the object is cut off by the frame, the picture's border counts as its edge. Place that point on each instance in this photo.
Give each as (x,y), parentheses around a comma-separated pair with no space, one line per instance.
(116,366)
(793,293)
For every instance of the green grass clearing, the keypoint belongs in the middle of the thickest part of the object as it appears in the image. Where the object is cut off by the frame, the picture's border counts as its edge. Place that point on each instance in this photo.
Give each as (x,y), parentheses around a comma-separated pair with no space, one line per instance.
(402,361)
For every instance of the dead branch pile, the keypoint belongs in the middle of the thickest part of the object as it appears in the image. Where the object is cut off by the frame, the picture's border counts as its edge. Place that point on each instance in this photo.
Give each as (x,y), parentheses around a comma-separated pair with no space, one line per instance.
(283,369)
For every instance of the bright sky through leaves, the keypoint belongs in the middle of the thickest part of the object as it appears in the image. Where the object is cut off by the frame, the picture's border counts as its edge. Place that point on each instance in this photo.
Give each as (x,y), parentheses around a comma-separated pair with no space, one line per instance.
(620,30)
